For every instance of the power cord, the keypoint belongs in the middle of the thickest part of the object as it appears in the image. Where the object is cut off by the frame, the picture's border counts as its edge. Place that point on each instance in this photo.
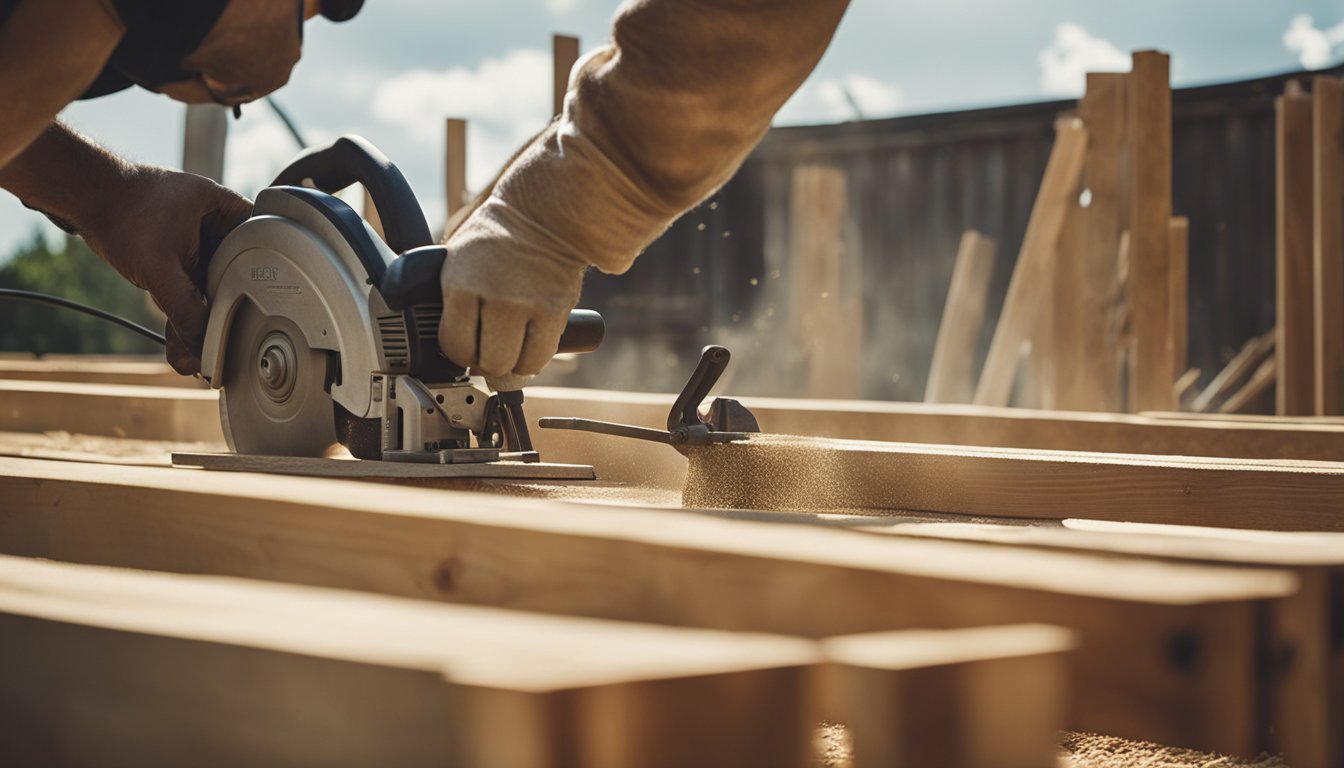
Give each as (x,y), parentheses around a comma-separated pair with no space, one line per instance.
(43,298)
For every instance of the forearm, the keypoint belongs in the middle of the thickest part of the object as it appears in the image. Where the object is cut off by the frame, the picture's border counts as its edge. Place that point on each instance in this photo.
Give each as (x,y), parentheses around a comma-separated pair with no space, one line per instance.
(65,175)
(50,52)
(660,119)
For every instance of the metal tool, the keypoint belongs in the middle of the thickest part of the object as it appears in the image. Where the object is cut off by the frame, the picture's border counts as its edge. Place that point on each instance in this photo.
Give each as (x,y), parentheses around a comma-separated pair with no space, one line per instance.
(321,332)
(728,420)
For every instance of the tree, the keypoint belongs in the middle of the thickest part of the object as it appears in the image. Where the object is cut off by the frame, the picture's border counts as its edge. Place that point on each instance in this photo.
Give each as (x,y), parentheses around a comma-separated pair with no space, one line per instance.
(75,273)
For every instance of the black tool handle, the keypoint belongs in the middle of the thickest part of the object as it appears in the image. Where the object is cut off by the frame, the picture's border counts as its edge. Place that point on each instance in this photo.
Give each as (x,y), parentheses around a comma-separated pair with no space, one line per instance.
(353,160)
(686,410)
(413,279)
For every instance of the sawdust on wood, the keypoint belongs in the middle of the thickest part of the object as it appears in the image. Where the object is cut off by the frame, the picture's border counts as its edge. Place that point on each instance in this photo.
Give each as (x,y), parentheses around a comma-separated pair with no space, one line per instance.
(832,748)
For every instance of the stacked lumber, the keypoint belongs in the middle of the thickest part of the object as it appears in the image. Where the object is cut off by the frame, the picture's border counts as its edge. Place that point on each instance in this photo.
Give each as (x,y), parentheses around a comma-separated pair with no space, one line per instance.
(147,610)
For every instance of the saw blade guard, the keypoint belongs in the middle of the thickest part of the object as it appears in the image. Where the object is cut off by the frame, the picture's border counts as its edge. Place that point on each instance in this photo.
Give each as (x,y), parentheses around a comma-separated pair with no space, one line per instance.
(304,256)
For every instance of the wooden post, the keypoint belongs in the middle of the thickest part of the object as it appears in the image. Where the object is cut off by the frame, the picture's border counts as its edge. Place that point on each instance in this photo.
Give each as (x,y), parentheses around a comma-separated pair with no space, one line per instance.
(1328,244)
(1178,246)
(1028,287)
(203,140)
(1295,294)
(371,215)
(455,165)
(1087,282)
(951,373)
(829,324)
(1151,374)
(564,53)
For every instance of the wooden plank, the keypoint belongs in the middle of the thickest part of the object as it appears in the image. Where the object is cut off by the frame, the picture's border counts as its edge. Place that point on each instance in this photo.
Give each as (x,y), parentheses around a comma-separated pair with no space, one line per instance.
(680,568)
(1305,710)
(1035,261)
(1251,356)
(151,373)
(1294,294)
(371,215)
(827,319)
(564,55)
(984,697)
(1252,396)
(315,467)
(187,416)
(952,370)
(1328,243)
(1149,108)
(1088,369)
(111,667)
(813,474)
(1178,252)
(455,167)
(149,413)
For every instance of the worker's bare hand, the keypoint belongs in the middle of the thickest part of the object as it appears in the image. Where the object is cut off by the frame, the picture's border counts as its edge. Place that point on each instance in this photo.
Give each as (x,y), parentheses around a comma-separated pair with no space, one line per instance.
(507,293)
(152,235)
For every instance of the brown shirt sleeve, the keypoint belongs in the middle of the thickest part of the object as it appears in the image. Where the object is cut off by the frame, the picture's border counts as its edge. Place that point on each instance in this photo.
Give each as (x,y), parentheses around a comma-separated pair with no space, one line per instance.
(655,122)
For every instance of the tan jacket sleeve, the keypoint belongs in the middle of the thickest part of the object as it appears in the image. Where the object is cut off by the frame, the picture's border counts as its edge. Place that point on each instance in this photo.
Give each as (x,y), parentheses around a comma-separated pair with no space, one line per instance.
(656,121)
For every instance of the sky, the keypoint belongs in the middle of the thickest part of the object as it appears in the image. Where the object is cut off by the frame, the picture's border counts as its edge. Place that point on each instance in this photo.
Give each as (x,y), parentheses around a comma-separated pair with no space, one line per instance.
(399,68)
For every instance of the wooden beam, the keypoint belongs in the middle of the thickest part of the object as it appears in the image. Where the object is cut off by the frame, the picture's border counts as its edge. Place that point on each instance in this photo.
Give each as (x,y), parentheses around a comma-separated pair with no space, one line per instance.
(1328,243)
(192,416)
(564,54)
(1151,373)
(812,474)
(1028,288)
(682,568)
(1255,391)
(977,698)
(91,370)
(1312,700)
(111,667)
(1088,367)
(1295,294)
(1178,248)
(372,216)
(1251,356)
(951,374)
(455,167)
(828,319)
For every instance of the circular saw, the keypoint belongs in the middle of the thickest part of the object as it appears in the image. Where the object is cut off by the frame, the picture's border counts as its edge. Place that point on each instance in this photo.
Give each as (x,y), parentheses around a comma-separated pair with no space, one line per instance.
(323,332)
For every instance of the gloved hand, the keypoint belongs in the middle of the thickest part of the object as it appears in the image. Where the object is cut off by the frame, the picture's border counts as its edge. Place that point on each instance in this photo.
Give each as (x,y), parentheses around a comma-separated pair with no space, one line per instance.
(508,286)
(153,239)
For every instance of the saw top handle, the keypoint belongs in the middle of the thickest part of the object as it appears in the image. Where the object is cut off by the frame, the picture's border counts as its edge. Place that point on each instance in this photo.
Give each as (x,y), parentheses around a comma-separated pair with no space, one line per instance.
(413,279)
(353,160)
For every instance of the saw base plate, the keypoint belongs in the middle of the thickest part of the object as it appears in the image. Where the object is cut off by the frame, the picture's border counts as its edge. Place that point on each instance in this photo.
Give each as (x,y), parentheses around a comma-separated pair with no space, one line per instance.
(358,468)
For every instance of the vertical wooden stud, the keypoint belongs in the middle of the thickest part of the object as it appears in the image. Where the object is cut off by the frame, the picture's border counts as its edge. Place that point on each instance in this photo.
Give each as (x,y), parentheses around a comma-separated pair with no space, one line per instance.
(1328,243)
(1178,246)
(1295,294)
(455,165)
(564,53)
(1151,375)
(951,373)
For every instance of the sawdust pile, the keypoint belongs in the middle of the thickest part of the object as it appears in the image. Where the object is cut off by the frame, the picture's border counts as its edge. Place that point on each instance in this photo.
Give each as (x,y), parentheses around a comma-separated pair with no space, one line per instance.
(768,472)
(832,748)
(1086,750)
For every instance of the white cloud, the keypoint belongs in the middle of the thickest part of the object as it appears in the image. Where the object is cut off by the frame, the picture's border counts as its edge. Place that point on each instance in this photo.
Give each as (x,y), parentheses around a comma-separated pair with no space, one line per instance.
(1074,53)
(1313,47)
(825,100)
(259,147)
(558,7)
(504,100)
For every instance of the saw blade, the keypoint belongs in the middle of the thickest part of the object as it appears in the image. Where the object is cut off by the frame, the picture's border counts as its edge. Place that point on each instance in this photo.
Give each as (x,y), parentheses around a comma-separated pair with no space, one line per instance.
(274,400)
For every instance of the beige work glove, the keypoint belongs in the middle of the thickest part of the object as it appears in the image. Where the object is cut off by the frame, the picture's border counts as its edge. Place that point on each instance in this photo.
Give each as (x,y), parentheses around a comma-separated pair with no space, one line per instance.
(653,123)
(153,239)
